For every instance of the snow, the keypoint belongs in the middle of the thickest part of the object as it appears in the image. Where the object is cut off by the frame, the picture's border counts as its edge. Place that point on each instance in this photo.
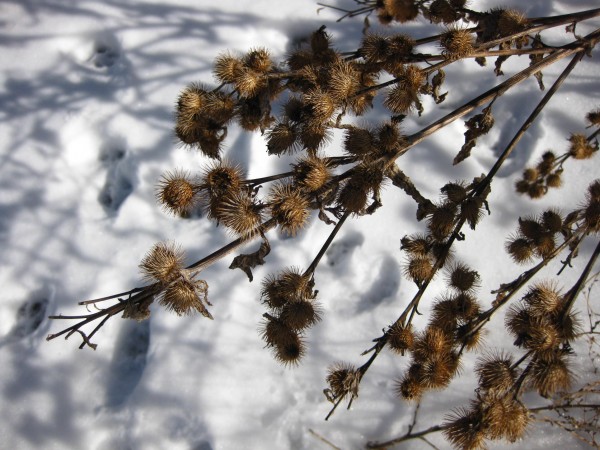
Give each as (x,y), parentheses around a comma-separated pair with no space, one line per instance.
(87,94)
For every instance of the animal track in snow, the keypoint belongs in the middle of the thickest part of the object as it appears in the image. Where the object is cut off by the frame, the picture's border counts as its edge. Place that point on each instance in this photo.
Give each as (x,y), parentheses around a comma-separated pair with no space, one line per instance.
(341,251)
(120,178)
(129,362)
(30,316)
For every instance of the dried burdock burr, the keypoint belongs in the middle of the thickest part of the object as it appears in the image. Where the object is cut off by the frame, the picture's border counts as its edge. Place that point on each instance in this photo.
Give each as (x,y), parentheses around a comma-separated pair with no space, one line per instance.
(289,207)
(400,338)
(176,192)
(163,263)
(456,43)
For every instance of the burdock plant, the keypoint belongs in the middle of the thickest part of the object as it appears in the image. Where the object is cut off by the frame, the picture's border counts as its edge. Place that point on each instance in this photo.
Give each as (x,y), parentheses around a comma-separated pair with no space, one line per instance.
(296,105)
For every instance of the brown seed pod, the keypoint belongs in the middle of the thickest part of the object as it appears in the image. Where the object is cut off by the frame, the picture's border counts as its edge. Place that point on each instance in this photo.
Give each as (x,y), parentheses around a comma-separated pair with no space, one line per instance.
(442,11)
(221,178)
(389,137)
(554,180)
(344,81)
(520,249)
(544,244)
(289,207)
(591,215)
(320,105)
(259,60)
(401,10)
(432,342)
(282,138)
(353,197)
(441,222)
(359,141)
(465,429)
(530,228)
(511,21)
(228,68)
(455,192)
(552,221)
(506,418)
(163,263)
(550,374)
(374,48)
(518,322)
(249,82)
(311,173)
(456,43)
(300,314)
(400,338)
(409,388)
(444,314)
(176,192)
(471,209)
(437,372)
(416,244)
(191,101)
(495,373)
(340,378)
(181,298)
(541,336)
(404,95)
(593,191)
(593,117)
(288,286)
(544,299)
(466,305)
(462,278)
(418,269)
(580,147)
(531,174)
(239,213)
(312,137)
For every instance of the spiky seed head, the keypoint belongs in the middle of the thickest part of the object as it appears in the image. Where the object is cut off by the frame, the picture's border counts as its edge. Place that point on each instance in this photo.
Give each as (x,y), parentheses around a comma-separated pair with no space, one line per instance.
(228,68)
(290,353)
(221,178)
(220,107)
(580,147)
(417,244)
(456,43)
(409,388)
(282,139)
(455,192)
(441,222)
(465,429)
(542,336)
(299,59)
(495,373)
(568,326)
(437,371)
(239,213)
(554,180)
(163,262)
(401,10)
(353,197)
(320,104)
(544,298)
(462,278)
(511,21)
(313,137)
(250,82)
(593,191)
(518,322)
(418,269)
(289,206)
(530,228)
(374,48)
(320,41)
(191,101)
(400,45)
(593,117)
(340,377)
(293,109)
(400,99)
(466,305)
(471,210)
(550,374)
(359,141)
(300,314)
(311,173)
(275,332)
(181,298)
(288,286)
(591,213)
(469,336)
(545,244)
(384,17)
(259,60)
(442,11)
(531,174)
(176,192)
(389,137)
(522,186)
(344,81)
(520,249)
(400,337)
(431,342)
(506,417)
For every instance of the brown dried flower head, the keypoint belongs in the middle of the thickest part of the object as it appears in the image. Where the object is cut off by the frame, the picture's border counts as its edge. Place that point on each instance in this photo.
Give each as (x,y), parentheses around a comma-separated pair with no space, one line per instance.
(401,10)
(462,278)
(176,192)
(228,68)
(239,213)
(580,147)
(163,263)
(311,173)
(496,373)
(289,207)
(182,297)
(400,337)
(456,43)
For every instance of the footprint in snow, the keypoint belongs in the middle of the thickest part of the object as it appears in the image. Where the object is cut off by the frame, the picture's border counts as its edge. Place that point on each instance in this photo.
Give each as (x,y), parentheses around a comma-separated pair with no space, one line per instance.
(30,316)
(128,363)
(120,178)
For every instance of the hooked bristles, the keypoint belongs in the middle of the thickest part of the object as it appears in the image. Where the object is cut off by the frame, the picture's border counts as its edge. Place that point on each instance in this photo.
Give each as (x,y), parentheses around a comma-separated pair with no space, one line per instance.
(464,429)
(580,147)
(340,378)
(228,68)
(401,10)
(221,179)
(462,278)
(289,207)
(400,337)
(300,314)
(311,173)
(239,213)
(456,43)
(182,297)
(550,374)
(163,263)
(176,192)
(282,138)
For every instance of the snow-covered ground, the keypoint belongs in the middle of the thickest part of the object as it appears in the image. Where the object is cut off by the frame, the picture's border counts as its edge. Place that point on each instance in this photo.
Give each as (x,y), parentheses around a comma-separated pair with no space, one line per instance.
(87,90)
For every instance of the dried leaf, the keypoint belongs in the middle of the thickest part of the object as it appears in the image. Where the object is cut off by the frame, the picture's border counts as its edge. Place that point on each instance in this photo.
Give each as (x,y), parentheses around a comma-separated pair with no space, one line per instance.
(249,261)
(477,126)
